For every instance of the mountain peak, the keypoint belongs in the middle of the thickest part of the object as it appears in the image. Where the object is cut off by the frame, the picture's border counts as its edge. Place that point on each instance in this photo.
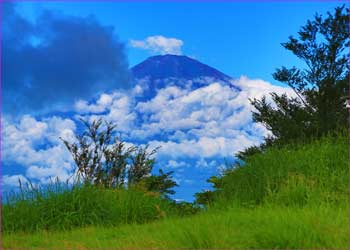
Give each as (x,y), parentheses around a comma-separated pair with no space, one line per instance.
(168,66)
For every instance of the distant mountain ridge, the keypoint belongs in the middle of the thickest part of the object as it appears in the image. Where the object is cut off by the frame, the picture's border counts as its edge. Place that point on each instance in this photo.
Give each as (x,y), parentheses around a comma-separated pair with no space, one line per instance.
(161,71)
(166,66)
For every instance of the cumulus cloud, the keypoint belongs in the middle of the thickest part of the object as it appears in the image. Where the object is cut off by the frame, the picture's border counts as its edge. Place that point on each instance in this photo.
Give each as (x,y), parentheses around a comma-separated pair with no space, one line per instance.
(201,163)
(117,107)
(208,111)
(175,164)
(72,58)
(13,180)
(102,103)
(205,147)
(159,45)
(35,146)
(213,120)
(257,88)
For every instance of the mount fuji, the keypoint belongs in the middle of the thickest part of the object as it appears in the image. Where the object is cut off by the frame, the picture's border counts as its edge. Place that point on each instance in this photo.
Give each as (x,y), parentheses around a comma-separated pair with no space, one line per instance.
(166,66)
(162,71)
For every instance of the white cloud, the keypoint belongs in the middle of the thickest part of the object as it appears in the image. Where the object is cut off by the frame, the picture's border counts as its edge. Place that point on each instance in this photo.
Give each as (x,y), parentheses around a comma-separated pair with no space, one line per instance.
(117,107)
(101,105)
(35,145)
(176,164)
(175,109)
(212,120)
(257,88)
(159,45)
(204,147)
(59,128)
(201,163)
(43,174)
(13,180)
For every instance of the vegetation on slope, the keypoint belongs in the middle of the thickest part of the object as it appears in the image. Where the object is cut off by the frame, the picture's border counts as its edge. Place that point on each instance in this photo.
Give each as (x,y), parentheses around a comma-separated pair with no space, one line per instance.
(293,175)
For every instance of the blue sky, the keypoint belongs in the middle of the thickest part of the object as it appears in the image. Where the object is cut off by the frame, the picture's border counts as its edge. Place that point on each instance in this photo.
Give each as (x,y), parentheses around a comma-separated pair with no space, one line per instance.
(235,37)
(52,77)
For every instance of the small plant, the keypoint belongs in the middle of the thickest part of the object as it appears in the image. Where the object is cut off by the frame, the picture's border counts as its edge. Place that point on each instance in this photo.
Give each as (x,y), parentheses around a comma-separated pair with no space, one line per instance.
(103,159)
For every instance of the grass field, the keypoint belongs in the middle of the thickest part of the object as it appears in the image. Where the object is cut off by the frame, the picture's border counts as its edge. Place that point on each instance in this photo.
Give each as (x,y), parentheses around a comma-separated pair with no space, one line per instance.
(291,197)
(261,227)
(66,208)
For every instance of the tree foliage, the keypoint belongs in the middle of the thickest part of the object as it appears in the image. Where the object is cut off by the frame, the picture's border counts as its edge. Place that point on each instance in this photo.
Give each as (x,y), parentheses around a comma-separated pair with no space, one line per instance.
(207,197)
(161,183)
(321,87)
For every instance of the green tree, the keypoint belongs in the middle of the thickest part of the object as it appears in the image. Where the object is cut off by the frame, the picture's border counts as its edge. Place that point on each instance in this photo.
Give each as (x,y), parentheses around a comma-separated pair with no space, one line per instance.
(320,87)
(206,197)
(161,183)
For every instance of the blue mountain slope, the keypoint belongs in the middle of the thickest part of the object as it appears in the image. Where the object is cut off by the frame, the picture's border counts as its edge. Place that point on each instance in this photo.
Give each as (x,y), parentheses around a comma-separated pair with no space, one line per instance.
(166,66)
(161,71)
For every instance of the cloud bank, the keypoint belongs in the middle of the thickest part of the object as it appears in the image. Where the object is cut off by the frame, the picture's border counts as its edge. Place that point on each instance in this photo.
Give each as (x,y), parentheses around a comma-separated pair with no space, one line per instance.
(58,59)
(196,129)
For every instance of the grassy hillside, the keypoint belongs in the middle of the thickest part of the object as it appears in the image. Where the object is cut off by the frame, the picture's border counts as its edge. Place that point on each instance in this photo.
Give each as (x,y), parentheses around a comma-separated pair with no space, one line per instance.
(291,197)
(294,175)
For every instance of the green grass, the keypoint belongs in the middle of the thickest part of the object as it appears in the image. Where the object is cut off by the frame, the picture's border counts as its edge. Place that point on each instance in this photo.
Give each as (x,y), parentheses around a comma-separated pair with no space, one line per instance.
(58,207)
(293,175)
(290,197)
(261,227)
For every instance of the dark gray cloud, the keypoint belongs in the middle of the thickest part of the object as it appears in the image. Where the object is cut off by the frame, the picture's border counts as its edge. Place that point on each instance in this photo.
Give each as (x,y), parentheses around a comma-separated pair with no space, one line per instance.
(56,60)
